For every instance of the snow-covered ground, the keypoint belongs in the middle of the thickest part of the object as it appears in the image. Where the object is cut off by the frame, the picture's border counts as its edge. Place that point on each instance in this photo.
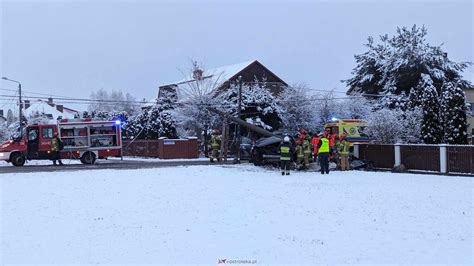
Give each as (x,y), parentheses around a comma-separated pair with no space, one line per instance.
(40,162)
(125,158)
(199,214)
(148,159)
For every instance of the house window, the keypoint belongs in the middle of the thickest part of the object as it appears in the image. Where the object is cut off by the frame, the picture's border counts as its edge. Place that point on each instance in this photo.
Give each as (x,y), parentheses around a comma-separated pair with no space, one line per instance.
(47,133)
(472,109)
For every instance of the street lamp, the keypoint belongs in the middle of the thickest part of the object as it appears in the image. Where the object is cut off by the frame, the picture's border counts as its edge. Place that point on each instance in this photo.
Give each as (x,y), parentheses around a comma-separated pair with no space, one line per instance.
(19,94)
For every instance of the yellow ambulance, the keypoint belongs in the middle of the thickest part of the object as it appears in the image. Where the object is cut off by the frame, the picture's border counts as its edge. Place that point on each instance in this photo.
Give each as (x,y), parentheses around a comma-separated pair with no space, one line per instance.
(353,128)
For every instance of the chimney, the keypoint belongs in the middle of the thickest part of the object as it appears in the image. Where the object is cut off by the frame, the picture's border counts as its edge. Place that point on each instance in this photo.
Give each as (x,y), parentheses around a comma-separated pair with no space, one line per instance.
(27,104)
(1,112)
(60,107)
(197,74)
(50,101)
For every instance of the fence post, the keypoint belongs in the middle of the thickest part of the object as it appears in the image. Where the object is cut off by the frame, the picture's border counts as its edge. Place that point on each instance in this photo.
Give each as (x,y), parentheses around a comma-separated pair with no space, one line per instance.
(443,158)
(398,155)
(356,150)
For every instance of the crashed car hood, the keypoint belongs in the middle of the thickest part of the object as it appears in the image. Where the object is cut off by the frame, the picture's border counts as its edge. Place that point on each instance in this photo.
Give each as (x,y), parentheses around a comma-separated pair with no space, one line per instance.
(267,141)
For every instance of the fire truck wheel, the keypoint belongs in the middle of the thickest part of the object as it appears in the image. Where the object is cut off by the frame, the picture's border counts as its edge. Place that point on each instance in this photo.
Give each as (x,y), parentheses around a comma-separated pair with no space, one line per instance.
(17,159)
(88,158)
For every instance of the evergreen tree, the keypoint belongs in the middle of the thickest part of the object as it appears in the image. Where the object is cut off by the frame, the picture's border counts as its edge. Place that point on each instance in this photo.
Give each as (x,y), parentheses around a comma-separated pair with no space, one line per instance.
(431,131)
(410,73)
(152,123)
(395,64)
(453,112)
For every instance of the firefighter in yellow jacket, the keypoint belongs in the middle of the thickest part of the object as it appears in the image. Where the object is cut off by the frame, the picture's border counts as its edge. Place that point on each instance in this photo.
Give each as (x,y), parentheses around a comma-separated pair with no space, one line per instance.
(286,155)
(215,145)
(55,149)
(306,145)
(299,154)
(344,149)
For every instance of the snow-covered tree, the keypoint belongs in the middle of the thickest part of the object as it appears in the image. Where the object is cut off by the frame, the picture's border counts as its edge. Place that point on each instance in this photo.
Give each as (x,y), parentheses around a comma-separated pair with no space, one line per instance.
(383,126)
(99,100)
(356,107)
(409,73)
(10,117)
(431,131)
(195,98)
(453,114)
(7,130)
(297,109)
(395,64)
(326,107)
(388,126)
(115,101)
(153,123)
(259,106)
(411,122)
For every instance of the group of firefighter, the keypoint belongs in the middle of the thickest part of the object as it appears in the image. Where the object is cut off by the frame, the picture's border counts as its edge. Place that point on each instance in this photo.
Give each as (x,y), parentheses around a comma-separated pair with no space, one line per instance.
(319,147)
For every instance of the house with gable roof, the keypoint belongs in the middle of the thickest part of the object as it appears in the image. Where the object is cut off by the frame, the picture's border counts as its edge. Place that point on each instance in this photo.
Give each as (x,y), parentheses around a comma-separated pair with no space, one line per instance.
(223,77)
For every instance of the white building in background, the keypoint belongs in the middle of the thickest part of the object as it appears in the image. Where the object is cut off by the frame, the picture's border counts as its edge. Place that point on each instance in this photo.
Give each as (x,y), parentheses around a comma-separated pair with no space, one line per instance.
(48,108)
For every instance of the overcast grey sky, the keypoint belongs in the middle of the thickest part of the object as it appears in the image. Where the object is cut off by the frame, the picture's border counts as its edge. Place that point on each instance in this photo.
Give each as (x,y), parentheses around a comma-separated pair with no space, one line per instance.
(74,47)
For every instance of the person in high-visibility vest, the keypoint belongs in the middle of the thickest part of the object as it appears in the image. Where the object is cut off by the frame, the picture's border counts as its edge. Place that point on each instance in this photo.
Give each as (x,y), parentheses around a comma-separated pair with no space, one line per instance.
(306,145)
(215,145)
(344,149)
(323,154)
(286,153)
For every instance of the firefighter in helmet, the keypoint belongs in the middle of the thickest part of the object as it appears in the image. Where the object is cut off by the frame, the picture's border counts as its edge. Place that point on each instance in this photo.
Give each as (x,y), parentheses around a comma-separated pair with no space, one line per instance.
(299,152)
(315,141)
(286,153)
(215,145)
(344,149)
(55,149)
(306,145)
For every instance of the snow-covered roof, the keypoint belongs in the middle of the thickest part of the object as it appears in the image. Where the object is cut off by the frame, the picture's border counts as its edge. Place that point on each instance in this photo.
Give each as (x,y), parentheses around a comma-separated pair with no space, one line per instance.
(211,78)
(42,107)
(220,74)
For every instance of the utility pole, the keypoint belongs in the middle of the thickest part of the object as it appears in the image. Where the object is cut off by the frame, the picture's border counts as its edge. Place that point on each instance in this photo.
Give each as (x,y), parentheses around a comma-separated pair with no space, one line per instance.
(20,103)
(239,104)
(19,95)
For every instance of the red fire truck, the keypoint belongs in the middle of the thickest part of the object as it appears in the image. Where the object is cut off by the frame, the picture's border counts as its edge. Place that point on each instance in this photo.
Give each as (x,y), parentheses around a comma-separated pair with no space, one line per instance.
(83,139)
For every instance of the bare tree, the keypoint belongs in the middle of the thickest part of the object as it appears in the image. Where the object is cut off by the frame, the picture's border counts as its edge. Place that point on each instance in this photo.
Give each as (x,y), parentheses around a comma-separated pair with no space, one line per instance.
(298,109)
(115,101)
(196,97)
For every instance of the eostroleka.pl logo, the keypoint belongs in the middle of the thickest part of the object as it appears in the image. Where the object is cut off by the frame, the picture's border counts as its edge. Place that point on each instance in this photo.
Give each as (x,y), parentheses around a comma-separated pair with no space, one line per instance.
(226,261)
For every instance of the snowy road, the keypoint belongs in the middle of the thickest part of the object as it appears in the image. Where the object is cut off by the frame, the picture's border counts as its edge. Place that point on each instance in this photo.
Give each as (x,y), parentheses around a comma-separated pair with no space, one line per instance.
(111,163)
(199,214)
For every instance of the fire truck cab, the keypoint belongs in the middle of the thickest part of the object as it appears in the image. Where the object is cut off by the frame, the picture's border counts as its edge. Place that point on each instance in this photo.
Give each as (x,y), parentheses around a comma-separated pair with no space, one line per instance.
(82,139)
